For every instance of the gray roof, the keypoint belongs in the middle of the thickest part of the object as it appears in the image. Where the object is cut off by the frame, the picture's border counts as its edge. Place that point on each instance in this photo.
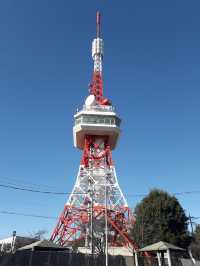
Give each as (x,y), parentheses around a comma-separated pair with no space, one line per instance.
(160,246)
(41,244)
(18,239)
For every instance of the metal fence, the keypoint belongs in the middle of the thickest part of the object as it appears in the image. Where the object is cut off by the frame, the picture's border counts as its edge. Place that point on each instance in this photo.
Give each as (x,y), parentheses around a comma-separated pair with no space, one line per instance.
(61,258)
(187,262)
(176,261)
(57,258)
(147,261)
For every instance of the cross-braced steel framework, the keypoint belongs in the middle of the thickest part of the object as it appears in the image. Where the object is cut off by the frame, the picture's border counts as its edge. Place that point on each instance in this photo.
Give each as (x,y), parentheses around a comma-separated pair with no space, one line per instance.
(83,217)
(96,196)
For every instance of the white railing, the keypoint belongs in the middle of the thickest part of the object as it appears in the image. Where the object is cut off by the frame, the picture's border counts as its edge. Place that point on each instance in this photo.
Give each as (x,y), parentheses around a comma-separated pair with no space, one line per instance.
(97,119)
(100,108)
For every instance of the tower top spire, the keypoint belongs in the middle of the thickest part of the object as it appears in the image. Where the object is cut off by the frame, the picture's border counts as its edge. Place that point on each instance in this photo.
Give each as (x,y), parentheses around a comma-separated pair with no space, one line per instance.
(96,86)
(98,23)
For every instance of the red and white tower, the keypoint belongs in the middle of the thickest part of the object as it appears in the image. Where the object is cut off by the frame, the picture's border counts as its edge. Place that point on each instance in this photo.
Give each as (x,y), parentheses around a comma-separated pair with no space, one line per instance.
(96,194)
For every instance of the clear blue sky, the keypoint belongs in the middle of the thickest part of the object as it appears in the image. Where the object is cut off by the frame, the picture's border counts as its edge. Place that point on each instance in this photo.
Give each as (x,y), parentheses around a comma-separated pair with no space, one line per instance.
(151,73)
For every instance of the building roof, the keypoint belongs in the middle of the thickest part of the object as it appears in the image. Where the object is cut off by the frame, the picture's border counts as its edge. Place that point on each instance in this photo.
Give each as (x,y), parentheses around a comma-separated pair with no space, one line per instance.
(160,246)
(18,238)
(114,251)
(42,244)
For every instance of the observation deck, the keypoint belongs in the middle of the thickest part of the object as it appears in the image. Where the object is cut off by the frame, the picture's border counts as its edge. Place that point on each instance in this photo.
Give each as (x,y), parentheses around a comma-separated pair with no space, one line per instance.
(96,120)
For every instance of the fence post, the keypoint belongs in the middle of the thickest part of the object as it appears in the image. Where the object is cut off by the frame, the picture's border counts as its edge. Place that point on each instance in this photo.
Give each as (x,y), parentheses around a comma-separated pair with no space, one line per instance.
(30,259)
(169,257)
(136,258)
(159,261)
(49,258)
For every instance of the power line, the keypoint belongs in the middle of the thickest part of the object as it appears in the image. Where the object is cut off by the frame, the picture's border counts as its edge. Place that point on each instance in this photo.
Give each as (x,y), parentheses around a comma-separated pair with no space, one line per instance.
(42,216)
(28,215)
(187,192)
(36,190)
(14,184)
(195,218)
(15,181)
(68,193)
(173,193)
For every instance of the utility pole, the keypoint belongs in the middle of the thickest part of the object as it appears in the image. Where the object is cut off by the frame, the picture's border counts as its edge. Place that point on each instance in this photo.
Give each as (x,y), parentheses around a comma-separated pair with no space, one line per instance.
(92,224)
(13,247)
(106,224)
(142,230)
(191,223)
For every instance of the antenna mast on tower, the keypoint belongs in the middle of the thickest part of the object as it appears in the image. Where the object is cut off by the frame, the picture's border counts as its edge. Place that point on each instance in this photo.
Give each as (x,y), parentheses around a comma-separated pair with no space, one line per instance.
(96,132)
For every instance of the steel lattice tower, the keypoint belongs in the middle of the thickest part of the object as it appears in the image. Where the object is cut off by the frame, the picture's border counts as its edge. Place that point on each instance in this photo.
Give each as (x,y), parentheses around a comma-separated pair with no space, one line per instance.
(96,132)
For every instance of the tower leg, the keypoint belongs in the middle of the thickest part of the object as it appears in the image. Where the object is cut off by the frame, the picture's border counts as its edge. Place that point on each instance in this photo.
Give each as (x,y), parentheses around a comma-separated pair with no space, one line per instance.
(96,204)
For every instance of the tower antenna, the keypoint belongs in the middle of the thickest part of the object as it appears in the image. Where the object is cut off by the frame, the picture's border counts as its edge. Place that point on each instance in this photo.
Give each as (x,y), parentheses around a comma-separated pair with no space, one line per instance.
(98,23)
(97,56)
(96,201)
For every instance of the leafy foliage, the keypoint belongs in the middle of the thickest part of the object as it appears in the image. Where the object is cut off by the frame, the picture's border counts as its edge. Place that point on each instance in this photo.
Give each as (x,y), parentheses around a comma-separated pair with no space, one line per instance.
(160,217)
(195,245)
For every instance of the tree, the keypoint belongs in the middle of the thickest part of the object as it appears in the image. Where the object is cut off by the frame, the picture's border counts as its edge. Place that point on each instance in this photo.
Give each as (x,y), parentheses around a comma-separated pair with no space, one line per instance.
(160,217)
(195,245)
(38,234)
